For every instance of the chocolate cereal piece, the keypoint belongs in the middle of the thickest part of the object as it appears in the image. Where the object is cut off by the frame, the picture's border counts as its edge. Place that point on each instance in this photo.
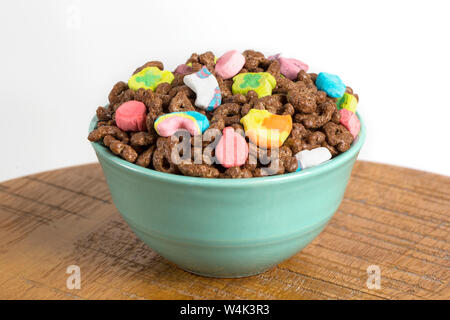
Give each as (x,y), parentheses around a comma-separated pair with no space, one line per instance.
(180,103)
(145,158)
(302,101)
(237,172)
(103,114)
(162,163)
(207,59)
(142,139)
(253,59)
(120,148)
(104,131)
(116,92)
(317,120)
(229,112)
(163,88)
(157,64)
(338,136)
(198,170)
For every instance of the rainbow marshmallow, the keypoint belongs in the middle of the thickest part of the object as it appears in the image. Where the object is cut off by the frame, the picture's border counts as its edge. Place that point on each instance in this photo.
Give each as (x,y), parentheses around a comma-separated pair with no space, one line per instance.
(193,121)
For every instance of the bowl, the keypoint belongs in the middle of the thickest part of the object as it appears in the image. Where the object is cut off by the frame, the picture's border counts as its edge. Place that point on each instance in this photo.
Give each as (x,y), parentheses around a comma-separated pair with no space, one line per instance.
(227,227)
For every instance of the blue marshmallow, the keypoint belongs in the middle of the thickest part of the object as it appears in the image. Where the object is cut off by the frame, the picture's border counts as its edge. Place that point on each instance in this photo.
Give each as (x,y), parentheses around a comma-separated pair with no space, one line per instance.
(331,84)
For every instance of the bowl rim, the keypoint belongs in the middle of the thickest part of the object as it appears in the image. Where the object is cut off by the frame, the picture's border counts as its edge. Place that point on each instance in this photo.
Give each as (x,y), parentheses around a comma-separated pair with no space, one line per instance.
(111,158)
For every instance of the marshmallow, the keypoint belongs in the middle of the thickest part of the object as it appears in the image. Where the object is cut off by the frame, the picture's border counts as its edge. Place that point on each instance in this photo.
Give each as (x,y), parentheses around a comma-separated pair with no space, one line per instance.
(149,78)
(232,149)
(260,82)
(331,84)
(290,67)
(183,69)
(193,121)
(130,116)
(310,158)
(347,101)
(350,121)
(265,129)
(205,85)
(229,65)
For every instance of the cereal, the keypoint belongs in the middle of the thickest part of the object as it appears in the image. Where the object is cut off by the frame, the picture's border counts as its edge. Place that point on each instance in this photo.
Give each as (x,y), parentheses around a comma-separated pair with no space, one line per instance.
(244,116)
(237,98)
(157,64)
(338,136)
(229,112)
(120,148)
(104,131)
(116,92)
(178,79)
(208,60)
(145,158)
(253,59)
(198,170)
(103,114)
(287,109)
(180,103)
(142,138)
(274,69)
(302,101)
(163,88)
(161,157)
(271,103)
(225,87)
(106,123)
(317,119)
(237,172)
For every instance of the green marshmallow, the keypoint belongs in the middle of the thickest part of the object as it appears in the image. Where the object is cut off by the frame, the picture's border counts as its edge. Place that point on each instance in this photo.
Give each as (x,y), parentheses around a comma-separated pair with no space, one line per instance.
(260,82)
(347,101)
(149,78)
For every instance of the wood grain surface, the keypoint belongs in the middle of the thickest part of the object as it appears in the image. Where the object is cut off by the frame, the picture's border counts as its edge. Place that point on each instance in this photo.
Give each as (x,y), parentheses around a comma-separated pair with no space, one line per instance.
(392,217)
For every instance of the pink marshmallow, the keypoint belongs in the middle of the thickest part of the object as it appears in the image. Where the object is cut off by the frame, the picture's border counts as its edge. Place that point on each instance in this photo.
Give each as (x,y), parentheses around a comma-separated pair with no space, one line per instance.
(275,56)
(229,65)
(232,149)
(183,69)
(350,121)
(290,67)
(130,116)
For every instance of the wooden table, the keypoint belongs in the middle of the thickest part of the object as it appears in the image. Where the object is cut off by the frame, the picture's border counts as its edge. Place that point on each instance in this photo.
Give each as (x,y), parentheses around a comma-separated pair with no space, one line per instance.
(392,217)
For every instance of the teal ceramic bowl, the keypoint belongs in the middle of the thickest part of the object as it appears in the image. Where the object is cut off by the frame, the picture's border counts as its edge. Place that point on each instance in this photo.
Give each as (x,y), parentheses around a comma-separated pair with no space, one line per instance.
(227,227)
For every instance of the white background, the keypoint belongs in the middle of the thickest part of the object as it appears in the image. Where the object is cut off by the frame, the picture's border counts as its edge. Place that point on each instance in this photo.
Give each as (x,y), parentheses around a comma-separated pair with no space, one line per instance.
(59,60)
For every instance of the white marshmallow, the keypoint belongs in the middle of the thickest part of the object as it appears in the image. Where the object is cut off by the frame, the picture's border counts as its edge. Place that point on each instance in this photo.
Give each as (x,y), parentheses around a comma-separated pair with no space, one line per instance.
(311,158)
(205,86)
